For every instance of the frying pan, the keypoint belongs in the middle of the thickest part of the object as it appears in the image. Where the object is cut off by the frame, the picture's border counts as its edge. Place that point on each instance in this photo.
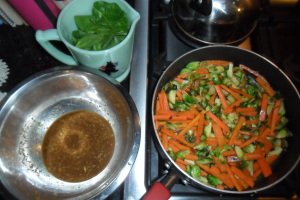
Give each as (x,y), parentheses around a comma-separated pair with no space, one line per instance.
(279,81)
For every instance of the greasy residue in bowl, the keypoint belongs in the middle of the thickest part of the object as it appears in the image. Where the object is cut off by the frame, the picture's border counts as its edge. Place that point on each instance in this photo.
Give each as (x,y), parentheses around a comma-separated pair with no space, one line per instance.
(78,146)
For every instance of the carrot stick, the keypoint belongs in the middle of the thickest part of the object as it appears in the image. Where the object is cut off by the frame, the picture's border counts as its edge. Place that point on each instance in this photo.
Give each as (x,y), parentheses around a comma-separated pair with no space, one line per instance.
(241,92)
(232,106)
(181,163)
(241,182)
(216,172)
(236,130)
(229,153)
(251,121)
(191,157)
(252,156)
(212,99)
(245,109)
(264,166)
(188,127)
(230,91)
(219,135)
(271,159)
(164,117)
(246,143)
(179,146)
(211,141)
(200,127)
(275,116)
(221,96)
(223,63)
(165,141)
(179,160)
(263,107)
(220,165)
(265,85)
(243,176)
(173,147)
(176,137)
(164,100)
(202,70)
(233,179)
(218,121)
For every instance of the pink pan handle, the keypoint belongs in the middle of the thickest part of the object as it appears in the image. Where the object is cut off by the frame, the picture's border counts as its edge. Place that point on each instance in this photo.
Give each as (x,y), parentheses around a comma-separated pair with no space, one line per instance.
(157,192)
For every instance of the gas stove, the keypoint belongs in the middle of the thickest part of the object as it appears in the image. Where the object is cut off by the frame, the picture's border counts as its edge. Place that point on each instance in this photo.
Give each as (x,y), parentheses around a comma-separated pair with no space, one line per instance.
(276,37)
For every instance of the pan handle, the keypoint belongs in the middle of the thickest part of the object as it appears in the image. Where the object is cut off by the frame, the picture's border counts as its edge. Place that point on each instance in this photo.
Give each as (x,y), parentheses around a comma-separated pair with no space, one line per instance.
(161,190)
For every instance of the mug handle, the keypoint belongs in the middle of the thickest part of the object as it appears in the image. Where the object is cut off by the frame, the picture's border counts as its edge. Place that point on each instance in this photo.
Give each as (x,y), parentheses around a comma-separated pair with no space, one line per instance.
(44,38)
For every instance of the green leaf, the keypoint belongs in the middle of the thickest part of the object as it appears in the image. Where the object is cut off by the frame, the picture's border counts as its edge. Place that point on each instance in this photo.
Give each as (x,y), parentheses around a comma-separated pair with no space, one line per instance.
(107,26)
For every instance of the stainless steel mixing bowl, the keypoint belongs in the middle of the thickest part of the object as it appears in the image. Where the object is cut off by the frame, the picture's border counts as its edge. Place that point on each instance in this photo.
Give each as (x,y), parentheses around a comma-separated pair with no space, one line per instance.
(28,111)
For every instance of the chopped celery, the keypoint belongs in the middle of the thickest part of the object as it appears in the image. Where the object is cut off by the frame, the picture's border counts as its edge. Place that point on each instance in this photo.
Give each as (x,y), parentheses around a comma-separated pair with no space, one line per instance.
(200,146)
(189,99)
(195,171)
(208,130)
(282,133)
(277,151)
(193,65)
(213,180)
(250,167)
(239,152)
(249,148)
(181,154)
(230,70)
(172,96)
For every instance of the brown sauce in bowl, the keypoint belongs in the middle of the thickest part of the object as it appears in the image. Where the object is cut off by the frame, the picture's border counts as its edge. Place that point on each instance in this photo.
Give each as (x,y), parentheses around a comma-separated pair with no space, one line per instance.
(78,146)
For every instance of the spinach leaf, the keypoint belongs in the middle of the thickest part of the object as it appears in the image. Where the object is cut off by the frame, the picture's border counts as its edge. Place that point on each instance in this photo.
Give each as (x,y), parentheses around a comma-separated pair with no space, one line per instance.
(107,26)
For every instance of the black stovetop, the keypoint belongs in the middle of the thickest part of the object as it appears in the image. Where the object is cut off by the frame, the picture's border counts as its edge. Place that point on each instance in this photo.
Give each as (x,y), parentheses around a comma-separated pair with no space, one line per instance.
(277,37)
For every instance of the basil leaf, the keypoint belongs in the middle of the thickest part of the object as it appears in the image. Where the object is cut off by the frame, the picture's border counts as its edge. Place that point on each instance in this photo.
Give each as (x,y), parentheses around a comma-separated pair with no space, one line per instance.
(107,26)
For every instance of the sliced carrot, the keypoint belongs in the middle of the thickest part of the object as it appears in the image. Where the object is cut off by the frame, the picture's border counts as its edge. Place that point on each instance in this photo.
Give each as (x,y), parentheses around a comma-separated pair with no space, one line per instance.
(232,106)
(220,165)
(191,157)
(236,130)
(249,141)
(165,141)
(263,107)
(264,166)
(221,96)
(242,176)
(200,127)
(229,153)
(230,91)
(219,135)
(252,156)
(223,63)
(212,98)
(218,121)
(246,111)
(241,92)
(271,159)
(216,172)
(176,137)
(188,127)
(211,141)
(202,70)
(162,117)
(237,185)
(265,85)
(173,147)
(251,121)
(275,116)
(180,146)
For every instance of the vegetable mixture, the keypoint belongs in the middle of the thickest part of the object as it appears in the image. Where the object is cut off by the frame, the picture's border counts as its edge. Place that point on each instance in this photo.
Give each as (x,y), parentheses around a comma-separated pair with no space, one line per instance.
(107,26)
(222,124)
